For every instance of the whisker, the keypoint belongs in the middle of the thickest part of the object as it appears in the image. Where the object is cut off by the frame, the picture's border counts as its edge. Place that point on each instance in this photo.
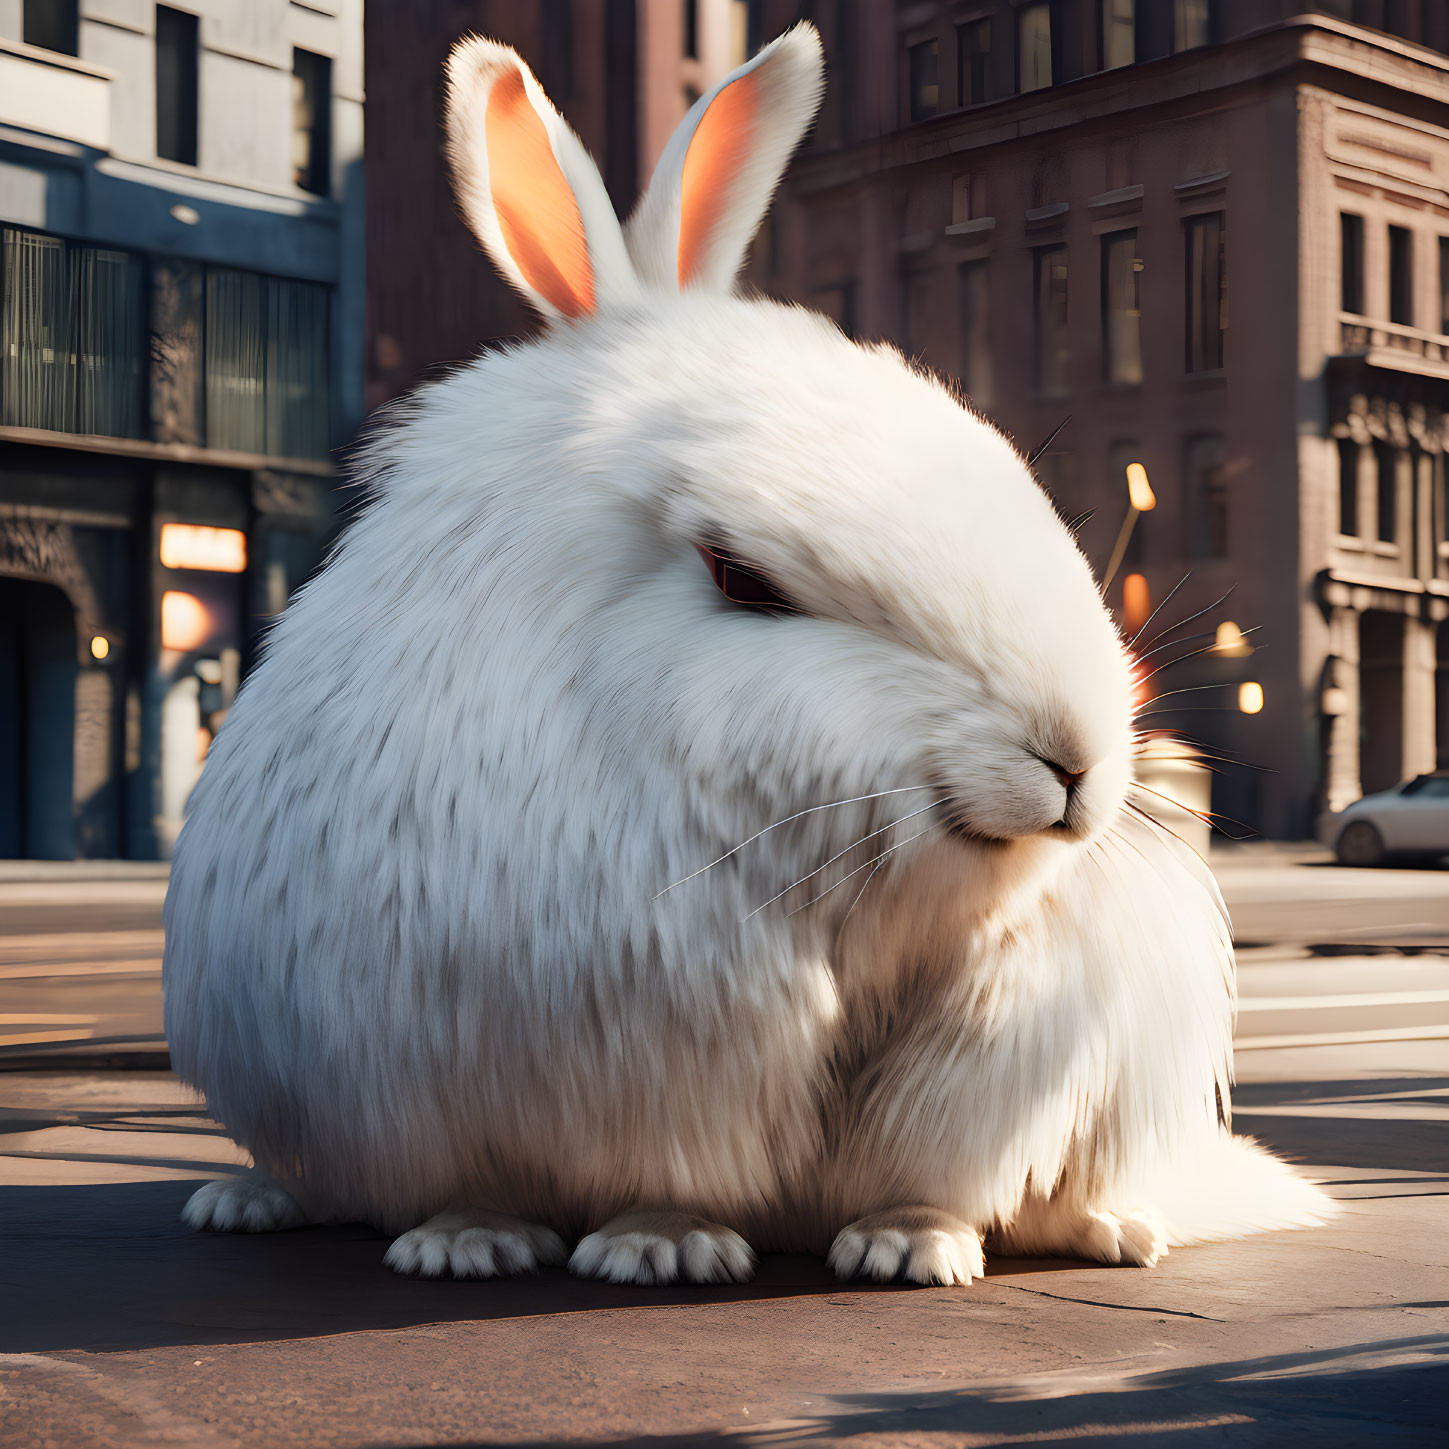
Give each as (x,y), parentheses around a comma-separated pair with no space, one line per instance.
(1143,629)
(1195,708)
(852,846)
(1051,437)
(1182,658)
(833,805)
(1156,824)
(879,863)
(1199,748)
(1191,689)
(1171,643)
(1080,520)
(1208,817)
(1173,628)
(876,860)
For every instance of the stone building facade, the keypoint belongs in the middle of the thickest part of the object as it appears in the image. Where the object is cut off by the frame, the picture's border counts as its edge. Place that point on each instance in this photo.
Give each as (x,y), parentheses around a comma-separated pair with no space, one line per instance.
(181,304)
(1133,215)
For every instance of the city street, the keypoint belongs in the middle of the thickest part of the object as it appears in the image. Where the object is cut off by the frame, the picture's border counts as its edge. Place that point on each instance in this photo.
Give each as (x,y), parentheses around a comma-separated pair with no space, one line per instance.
(120,1327)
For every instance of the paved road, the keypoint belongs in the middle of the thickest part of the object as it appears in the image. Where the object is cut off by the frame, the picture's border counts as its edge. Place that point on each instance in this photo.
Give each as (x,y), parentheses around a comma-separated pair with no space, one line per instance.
(118,1327)
(80,957)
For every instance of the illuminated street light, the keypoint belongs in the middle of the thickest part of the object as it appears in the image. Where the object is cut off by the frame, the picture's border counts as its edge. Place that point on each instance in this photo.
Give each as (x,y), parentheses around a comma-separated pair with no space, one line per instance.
(185,623)
(1230,641)
(1136,602)
(1250,697)
(1140,499)
(100,647)
(1139,490)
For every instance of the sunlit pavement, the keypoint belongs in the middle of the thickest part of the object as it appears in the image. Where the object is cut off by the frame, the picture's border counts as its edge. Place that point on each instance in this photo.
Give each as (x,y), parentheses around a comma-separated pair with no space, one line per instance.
(118,1327)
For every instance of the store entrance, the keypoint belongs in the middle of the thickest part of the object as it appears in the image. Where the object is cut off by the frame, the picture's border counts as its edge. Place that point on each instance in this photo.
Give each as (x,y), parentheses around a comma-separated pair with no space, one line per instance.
(37,721)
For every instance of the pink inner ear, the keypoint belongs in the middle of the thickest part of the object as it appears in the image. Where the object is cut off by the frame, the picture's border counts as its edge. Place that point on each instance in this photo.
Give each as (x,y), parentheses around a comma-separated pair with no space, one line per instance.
(535,205)
(718,152)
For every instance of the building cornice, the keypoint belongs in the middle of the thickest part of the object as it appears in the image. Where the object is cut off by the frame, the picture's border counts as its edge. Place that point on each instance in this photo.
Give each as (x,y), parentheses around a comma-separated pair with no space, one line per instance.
(1322,49)
(166,452)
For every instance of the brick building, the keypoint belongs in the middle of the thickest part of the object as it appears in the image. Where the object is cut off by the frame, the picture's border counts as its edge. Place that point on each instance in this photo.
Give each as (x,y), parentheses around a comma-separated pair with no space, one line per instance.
(623,72)
(1213,232)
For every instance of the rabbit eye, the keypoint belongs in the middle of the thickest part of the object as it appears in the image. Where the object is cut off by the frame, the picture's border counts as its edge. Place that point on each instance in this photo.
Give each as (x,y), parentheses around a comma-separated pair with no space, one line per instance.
(742,585)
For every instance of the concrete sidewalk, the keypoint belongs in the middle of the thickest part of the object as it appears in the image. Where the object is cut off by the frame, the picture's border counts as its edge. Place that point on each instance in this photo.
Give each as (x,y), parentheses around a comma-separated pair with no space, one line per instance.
(120,1327)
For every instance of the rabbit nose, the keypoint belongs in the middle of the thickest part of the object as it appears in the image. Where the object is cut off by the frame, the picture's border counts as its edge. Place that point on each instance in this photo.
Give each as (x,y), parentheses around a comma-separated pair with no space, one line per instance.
(1069,779)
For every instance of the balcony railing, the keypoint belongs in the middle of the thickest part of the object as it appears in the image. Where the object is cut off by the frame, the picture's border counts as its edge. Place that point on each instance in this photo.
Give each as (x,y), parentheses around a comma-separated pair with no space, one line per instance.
(1390,344)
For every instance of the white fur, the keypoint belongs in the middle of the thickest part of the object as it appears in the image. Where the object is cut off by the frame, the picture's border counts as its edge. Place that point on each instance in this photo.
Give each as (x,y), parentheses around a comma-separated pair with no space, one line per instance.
(417,951)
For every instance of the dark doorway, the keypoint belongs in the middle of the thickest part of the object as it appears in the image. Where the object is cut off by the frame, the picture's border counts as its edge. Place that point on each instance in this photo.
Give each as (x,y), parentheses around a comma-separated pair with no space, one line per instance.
(1441,698)
(37,722)
(1381,689)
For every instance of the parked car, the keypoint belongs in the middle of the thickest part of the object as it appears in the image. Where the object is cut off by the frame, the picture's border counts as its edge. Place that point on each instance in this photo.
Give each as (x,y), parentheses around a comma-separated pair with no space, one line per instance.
(1412,819)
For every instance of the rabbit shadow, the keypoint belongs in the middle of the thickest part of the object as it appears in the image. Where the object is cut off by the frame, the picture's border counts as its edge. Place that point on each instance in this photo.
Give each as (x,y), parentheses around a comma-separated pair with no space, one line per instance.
(111,1266)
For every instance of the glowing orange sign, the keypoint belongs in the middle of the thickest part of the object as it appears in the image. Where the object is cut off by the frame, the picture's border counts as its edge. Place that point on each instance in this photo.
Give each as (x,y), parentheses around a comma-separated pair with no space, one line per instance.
(194,546)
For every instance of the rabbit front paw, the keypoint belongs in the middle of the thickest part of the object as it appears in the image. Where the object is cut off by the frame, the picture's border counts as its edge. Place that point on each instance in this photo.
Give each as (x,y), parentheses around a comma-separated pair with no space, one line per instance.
(921,1244)
(663,1247)
(475,1245)
(251,1204)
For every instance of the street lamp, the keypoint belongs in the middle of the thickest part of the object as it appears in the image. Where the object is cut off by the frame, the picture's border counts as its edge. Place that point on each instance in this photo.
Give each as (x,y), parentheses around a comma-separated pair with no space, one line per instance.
(1140,499)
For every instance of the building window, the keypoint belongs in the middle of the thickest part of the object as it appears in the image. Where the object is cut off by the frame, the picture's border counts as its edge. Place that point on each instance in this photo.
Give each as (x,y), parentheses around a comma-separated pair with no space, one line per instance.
(691,29)
(924,64)
(1440,523)
(52,25)
(1350,229)
(1444,285)
(1118,33)
(1121,310)
(556,48)
(1348,487)
(922,300)
(1207,498)
(1386,476)
(235,360)
(1034,47)
(312,122)
(1057,471)
(1207,292)
(1053,344)
(1191,24)
(973,55)
(837,302)
(1401,276)
(72,337)
(974,280)
(836,20)
(175,85)
(266,364)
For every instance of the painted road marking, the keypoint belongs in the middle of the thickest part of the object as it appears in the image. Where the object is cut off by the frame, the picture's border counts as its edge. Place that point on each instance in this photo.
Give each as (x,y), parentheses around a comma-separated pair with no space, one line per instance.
(1343,1038)
(147,966)
(1323,1003)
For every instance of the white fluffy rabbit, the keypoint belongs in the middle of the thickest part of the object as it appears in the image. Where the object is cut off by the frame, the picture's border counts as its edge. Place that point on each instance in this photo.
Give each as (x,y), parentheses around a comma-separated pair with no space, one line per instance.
(940,980)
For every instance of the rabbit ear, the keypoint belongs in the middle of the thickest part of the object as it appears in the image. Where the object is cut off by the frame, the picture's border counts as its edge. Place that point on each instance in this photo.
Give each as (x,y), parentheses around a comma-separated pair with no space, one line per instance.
(714,181)
(527,187)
